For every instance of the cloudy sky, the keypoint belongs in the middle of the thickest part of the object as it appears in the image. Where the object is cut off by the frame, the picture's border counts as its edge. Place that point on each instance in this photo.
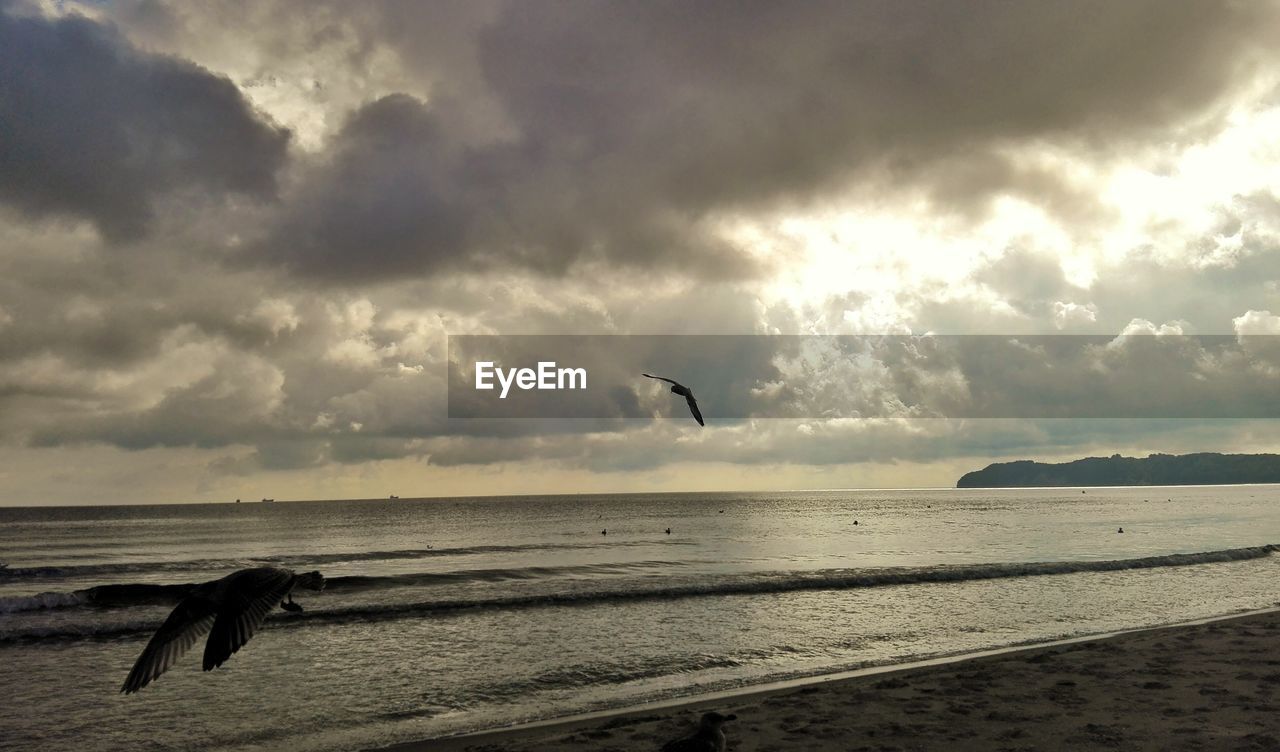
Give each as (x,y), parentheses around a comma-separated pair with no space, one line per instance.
(235,236)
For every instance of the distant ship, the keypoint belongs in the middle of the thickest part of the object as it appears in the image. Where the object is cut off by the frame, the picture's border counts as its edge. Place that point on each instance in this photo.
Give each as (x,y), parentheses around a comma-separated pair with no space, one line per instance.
(394,497)
(267,501)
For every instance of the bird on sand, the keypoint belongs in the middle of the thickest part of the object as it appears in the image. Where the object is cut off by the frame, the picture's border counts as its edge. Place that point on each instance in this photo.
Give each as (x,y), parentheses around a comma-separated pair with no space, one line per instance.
(683,391)
(708,738)
(230,609)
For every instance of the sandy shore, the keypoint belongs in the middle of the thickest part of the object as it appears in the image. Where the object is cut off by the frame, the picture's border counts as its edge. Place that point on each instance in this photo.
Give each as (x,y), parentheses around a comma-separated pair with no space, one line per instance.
(1213,686)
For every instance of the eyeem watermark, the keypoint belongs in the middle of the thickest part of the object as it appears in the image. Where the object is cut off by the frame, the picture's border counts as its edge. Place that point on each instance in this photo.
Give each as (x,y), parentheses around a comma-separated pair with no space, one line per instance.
(545,377)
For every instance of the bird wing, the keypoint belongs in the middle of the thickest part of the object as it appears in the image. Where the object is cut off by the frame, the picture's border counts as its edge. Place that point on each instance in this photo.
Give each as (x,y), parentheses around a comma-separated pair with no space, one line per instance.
(249,596)
(188,622)
(661,378)
(693,408)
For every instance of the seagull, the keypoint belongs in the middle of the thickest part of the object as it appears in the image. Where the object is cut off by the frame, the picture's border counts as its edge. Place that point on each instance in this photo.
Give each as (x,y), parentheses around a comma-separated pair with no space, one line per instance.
(683,391)
(232,607)
(708,738)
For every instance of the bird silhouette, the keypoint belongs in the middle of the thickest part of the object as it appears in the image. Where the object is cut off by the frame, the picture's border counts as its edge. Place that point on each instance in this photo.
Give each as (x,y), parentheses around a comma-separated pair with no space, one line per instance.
(683,391)
(708,738)
(230,609)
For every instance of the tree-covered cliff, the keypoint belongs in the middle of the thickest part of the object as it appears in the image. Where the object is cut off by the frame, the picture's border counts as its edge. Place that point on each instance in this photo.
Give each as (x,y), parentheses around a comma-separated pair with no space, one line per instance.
(1206,468)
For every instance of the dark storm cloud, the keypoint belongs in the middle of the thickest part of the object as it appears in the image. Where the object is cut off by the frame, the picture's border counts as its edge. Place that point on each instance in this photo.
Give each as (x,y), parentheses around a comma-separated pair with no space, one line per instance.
(112,311)
(720,105)
(400,195)
(394,198)
(91,127)
(633,128)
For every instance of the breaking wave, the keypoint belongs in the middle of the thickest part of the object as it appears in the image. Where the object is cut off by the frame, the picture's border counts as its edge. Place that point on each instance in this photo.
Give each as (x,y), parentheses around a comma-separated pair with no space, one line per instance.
(292,561)
(126,596)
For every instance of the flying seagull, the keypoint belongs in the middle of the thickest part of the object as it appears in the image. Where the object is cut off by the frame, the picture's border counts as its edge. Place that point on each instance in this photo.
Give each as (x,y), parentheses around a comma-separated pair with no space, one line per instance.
(708,738)
(230,609)
(683,391)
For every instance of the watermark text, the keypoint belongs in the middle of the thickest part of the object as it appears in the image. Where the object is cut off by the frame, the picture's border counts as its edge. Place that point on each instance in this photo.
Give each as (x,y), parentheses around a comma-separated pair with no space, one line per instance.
(545,376)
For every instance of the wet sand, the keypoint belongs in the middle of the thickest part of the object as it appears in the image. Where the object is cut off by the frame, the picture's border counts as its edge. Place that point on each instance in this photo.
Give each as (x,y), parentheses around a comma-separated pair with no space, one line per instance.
(1211,686)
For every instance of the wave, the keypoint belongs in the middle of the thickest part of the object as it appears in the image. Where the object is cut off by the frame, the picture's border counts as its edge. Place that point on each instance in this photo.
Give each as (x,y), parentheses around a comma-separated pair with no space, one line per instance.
(81,631)
(152,594)
(501,574)
(628,589)
(110,596)
(91,570)
(40,602)
(290,560)
(783,582)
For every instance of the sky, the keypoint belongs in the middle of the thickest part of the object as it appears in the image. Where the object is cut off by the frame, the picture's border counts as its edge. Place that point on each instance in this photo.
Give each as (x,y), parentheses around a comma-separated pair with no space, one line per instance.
(234,236)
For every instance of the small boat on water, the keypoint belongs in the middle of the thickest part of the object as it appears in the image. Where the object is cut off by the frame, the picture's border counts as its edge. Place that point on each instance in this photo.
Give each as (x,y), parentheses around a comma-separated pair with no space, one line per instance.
(393,497)
(267,501)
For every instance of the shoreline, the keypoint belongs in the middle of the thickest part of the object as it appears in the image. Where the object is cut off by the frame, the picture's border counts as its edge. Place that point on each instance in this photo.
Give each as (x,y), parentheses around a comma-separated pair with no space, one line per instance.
(834,711)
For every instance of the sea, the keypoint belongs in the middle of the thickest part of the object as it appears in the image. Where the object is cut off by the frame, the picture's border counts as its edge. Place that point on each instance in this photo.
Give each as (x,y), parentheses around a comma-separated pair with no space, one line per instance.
(444,616)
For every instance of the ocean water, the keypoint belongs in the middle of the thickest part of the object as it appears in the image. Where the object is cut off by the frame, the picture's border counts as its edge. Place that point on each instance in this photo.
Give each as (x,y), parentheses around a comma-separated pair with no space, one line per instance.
(450,615)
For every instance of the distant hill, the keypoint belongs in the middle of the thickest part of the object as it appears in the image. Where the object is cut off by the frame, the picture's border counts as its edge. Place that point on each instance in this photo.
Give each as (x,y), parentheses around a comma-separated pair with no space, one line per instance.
(1208,468)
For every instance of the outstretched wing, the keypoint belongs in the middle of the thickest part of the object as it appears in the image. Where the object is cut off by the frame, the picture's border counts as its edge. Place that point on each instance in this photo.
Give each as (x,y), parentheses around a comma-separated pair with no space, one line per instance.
(693,408)
(188,622)
(249,596)
(661,378)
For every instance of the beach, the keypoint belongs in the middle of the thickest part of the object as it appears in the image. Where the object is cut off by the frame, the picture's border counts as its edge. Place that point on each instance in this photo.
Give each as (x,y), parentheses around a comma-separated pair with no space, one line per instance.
(1205,686)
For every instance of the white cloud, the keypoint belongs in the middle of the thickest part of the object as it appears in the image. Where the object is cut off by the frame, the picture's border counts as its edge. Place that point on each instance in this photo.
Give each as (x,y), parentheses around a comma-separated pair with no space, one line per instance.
(1142,327)
(1066,313)
(358,348)
(1256,322)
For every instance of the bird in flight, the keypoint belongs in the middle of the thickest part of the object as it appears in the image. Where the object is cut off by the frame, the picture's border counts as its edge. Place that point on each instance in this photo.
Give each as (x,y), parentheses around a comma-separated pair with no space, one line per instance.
(230,609)
(683,391)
